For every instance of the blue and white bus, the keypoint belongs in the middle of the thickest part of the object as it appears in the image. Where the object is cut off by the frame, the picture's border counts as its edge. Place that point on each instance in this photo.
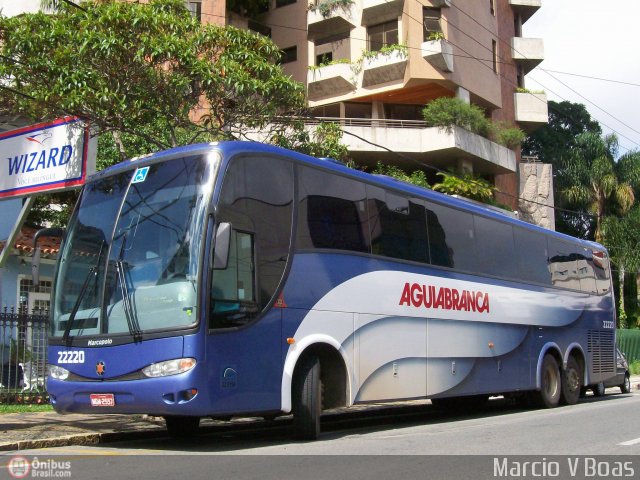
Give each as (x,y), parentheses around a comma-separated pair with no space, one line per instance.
(238,278)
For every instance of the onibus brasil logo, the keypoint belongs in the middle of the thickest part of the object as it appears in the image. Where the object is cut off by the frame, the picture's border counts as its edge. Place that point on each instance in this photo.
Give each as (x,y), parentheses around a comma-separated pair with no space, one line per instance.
(20,467)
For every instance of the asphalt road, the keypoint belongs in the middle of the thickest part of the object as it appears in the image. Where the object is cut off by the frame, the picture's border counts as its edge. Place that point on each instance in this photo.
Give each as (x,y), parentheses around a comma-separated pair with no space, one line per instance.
(429,443)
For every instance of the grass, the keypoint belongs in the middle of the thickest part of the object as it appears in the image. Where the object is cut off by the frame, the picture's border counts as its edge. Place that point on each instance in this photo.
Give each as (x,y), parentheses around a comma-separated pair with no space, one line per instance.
(25,408)
(634,367)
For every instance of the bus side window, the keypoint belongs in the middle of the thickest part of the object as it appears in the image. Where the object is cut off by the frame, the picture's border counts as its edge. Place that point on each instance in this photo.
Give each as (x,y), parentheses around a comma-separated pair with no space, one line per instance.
(232,289)
(398,226)
(331,212)
(451,237)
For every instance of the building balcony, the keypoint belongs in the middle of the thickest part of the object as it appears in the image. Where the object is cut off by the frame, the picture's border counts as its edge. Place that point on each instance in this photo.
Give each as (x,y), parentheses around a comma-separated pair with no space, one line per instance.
(329,18)
(329,80)
(380,11)
(525,8)
(384,68)
(435,146)
(532,110)
(527,52)
(438,53)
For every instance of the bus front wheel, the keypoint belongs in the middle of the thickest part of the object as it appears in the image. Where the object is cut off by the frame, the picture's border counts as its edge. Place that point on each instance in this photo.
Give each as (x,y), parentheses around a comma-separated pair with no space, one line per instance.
(182,427)
(550,384)
(307,401)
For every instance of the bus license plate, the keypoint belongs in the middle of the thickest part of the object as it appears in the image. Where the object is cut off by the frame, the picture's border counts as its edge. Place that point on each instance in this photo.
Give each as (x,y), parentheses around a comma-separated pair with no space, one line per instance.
(102,400)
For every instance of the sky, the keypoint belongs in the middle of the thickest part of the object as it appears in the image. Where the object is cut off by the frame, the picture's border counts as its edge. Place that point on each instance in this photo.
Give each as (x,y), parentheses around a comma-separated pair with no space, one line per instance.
(596,39)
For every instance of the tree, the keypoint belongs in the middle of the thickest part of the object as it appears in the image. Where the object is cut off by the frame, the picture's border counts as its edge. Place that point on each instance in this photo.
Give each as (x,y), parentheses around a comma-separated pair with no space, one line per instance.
(149,73)
(145,76)
(621,236)
(553,141)
(594,181)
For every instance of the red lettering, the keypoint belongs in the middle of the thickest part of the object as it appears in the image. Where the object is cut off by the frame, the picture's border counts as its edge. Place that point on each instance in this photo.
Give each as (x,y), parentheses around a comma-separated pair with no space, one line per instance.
(471,301)
(455,299)
(416,295)
(405,299)
(447,299)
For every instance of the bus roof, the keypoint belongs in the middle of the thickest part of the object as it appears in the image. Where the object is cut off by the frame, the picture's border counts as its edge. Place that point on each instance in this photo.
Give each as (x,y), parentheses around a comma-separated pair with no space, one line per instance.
(230,148)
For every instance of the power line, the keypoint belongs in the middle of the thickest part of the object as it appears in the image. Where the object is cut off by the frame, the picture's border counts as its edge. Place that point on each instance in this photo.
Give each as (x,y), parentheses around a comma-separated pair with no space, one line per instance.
(590,77)
(546,88)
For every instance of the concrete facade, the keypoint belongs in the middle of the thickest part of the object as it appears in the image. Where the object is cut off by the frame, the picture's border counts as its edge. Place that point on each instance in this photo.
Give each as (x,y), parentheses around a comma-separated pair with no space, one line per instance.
(474,51)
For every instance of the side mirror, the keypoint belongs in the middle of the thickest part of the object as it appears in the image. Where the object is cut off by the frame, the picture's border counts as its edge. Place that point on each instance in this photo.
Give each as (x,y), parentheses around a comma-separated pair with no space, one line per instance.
(35,260)
(221,247)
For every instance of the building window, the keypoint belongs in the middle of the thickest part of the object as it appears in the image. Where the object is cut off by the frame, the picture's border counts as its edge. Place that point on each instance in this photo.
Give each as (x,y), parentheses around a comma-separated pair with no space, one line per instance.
(492,7)
(284,3)
(431,23)
(382,35)
(324,58)
(289,55)
(34,297)
(259,28)
(494,49)
(196,9)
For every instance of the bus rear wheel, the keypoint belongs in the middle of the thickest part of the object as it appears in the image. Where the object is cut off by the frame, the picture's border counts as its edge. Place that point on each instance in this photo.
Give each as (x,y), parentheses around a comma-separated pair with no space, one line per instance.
(182,428)
(571,382)
(550,384)
(307,399)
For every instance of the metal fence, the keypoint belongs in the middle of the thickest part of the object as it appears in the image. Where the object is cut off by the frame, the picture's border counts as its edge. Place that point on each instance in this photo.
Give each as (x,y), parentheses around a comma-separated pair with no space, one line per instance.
(23,355)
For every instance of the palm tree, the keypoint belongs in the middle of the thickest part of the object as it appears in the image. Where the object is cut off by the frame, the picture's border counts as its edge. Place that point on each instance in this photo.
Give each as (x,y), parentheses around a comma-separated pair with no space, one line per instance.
(595,181)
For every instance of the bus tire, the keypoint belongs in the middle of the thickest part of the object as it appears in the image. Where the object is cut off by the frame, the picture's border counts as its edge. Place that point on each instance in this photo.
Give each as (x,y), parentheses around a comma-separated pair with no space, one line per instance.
(550,384)
(182,428)
(307,400)
(598,390)
(570,391)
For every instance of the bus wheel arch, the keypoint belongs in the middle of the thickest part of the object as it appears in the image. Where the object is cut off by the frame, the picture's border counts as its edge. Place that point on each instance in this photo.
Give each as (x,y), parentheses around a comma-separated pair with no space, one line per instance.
(549,378)
(333,373)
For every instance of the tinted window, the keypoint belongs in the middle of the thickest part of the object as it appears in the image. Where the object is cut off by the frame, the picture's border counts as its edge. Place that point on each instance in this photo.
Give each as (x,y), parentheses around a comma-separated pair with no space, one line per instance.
(398,226)
(494,244)
(532,255)
(451,241)
(257,199)
(567,264)
(601,271)
(332,212)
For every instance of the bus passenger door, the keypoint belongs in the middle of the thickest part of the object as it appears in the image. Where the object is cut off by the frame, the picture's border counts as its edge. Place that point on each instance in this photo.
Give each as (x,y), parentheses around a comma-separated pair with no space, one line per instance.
(391,356)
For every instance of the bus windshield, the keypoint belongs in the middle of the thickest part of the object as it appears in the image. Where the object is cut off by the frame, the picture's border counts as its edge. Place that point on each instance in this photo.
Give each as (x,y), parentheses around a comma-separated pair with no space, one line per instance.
(130,260)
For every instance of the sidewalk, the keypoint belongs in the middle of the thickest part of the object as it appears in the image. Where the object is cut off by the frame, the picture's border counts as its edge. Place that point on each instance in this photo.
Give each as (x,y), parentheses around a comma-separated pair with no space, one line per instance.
(20,431)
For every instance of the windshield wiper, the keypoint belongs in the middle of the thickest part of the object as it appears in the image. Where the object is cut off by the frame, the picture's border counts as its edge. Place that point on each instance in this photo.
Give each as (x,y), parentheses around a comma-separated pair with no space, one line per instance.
(93,271)
(127,306)
(72,316)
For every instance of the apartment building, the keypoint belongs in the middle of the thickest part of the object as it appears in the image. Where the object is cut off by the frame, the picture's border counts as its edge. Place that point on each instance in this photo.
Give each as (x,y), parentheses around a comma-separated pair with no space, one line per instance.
(374,64)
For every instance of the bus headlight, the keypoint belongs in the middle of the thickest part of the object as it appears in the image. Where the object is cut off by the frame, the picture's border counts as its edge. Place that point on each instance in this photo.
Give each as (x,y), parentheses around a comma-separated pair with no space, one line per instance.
(58,373)
(169,367)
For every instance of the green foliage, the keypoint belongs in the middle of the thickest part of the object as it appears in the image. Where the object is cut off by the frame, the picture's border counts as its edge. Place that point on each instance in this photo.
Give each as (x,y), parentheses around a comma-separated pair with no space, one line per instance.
(417,177)
(327,7)
(621,236)
(149,71)
(510,137)
(385,51)
(331,62)
(145,76)
(526,90)
(446,112)
(466,185)
(592,181)
(634,367)
(435,36)
(323,141)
